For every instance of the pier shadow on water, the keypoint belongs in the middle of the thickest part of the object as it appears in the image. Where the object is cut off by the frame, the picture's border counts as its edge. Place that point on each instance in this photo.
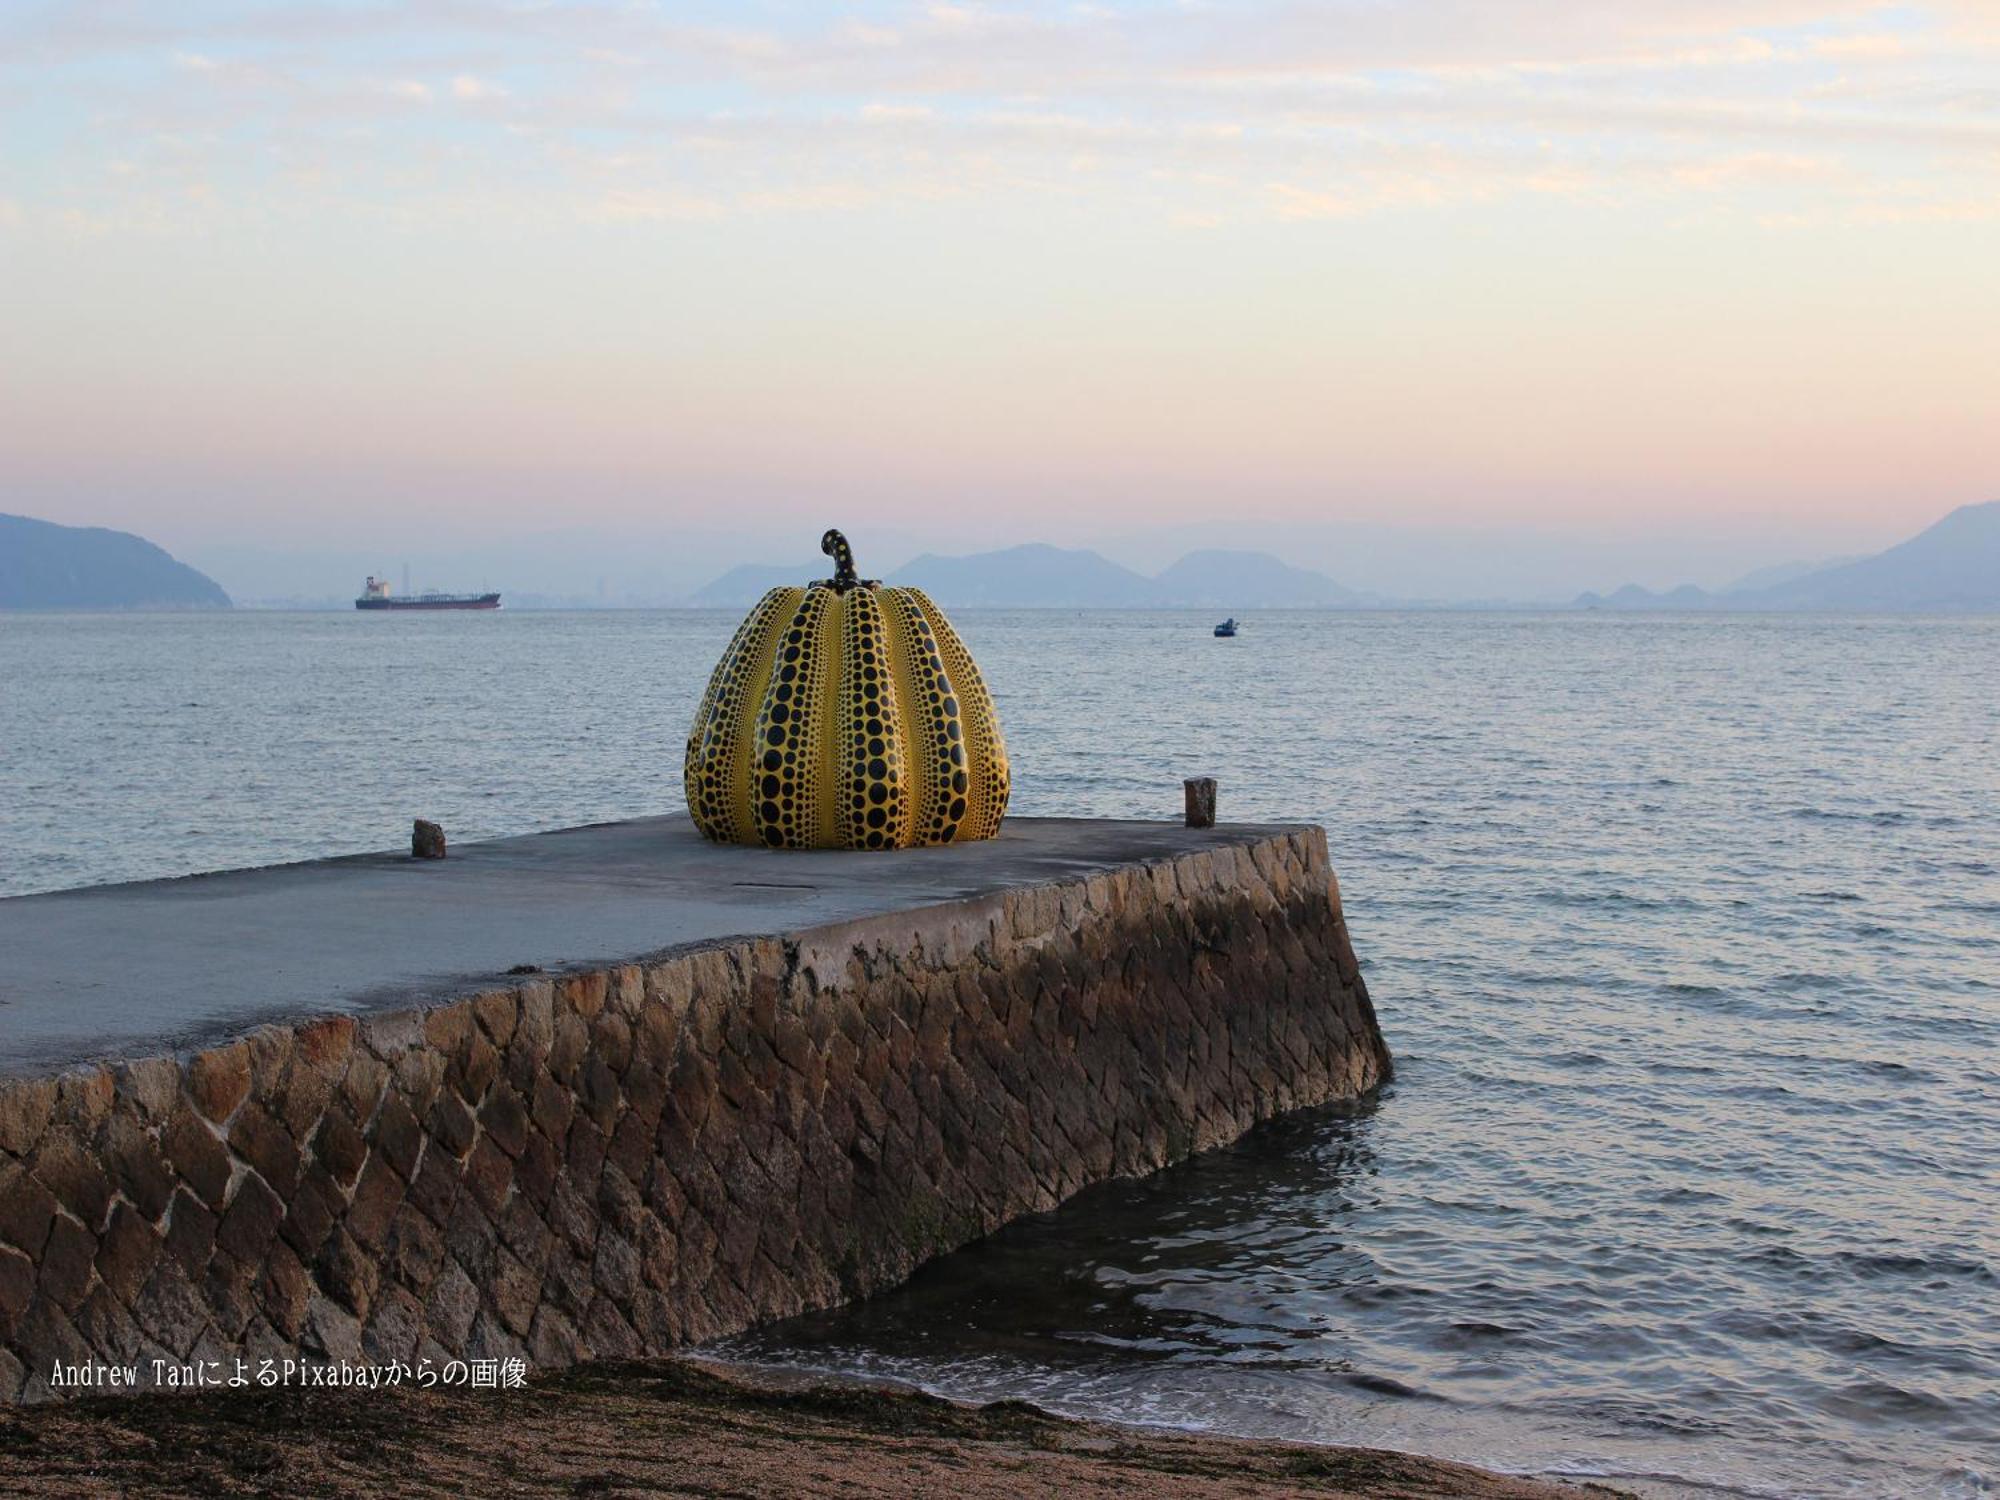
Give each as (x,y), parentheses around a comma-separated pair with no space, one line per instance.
(1187,1263)
(1274,1288)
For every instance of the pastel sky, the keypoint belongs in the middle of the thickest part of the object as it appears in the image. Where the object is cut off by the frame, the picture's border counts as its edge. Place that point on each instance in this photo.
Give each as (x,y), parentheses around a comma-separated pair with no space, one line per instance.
(309,271)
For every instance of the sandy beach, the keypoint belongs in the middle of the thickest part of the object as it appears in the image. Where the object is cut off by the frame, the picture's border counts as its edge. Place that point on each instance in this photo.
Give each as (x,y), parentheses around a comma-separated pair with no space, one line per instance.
(672,1427)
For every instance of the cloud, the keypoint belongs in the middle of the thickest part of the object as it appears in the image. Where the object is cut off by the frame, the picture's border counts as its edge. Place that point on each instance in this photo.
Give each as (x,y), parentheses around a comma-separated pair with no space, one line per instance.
(1935,210)
(1367,197)
(1873,45)
(1748,167)
(657,205)
(1295,202)
(673,205)
(1294,112)
(473,90)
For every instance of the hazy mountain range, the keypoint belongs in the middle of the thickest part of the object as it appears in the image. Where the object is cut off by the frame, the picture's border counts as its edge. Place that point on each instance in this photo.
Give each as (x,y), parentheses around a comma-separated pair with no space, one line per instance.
(1038,576)
(46,566)
(1954,564)
(663,560)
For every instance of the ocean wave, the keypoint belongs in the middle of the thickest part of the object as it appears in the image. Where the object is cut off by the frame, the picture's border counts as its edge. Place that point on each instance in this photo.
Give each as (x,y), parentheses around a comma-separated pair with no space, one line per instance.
(1947,1266)
(1385,1385)
(1886,818)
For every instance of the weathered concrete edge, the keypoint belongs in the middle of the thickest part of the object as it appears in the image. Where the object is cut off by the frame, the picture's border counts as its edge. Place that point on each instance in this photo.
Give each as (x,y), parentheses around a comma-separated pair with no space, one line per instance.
(323,1165)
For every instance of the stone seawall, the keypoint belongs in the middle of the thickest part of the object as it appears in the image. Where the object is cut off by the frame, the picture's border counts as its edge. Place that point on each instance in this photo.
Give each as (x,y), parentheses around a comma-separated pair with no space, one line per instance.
(626,1158)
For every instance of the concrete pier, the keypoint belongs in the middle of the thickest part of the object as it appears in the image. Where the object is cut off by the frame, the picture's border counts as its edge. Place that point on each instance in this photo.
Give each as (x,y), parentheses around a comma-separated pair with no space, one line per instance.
(612,1089)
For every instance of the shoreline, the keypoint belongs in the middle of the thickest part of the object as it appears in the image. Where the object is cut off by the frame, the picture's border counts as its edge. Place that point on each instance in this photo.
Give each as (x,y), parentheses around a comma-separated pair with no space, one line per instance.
(681,1426)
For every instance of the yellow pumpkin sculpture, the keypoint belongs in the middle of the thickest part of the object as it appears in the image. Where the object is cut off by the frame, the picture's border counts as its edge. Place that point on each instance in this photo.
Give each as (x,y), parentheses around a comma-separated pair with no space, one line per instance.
(846,715)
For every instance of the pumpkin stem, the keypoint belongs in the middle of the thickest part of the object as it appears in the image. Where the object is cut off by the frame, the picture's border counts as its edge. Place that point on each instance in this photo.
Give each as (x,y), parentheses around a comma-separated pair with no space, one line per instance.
(834,545)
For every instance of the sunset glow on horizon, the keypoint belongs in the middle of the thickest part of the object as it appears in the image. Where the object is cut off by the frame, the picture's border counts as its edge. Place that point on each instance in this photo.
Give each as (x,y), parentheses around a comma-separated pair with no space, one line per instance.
(299,268)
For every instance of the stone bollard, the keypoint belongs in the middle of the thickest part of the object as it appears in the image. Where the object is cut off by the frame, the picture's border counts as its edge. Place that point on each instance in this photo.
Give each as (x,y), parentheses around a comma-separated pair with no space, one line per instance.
(1200,801)
(427,840)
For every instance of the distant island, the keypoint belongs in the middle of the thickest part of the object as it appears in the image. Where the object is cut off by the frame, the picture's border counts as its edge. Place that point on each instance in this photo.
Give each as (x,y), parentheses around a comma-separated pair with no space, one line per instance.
(1953,565)
(1038,576)
(46,566)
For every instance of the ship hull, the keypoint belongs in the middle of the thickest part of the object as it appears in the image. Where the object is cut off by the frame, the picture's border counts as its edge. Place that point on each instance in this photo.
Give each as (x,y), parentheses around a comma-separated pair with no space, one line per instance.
(476,601)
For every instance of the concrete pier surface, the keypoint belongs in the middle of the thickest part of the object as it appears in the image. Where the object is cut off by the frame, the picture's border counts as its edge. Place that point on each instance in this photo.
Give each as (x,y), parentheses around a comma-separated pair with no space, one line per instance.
(116,971)
(601,1093)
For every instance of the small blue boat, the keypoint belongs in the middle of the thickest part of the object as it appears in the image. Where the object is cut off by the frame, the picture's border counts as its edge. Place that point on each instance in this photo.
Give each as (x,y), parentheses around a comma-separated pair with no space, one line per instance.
(1227,627)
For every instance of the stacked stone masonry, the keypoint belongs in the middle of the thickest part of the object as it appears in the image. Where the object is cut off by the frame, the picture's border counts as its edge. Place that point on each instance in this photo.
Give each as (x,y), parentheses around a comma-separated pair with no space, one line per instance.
(618,1162)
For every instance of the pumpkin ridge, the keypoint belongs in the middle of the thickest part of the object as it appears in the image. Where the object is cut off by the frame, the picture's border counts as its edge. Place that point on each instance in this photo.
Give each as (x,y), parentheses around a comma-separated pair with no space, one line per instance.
(782,798)
(745,745)
(694,761)
(916,725)
(987,782)
(871,753)
(934,706)
(725,753)
(822,808)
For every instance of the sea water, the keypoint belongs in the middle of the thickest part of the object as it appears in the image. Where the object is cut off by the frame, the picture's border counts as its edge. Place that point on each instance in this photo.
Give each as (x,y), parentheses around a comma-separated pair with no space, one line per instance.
(1684,930)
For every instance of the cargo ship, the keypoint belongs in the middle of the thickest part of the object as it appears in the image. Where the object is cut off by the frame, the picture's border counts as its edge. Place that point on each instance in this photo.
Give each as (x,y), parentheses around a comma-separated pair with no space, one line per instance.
(375,595)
